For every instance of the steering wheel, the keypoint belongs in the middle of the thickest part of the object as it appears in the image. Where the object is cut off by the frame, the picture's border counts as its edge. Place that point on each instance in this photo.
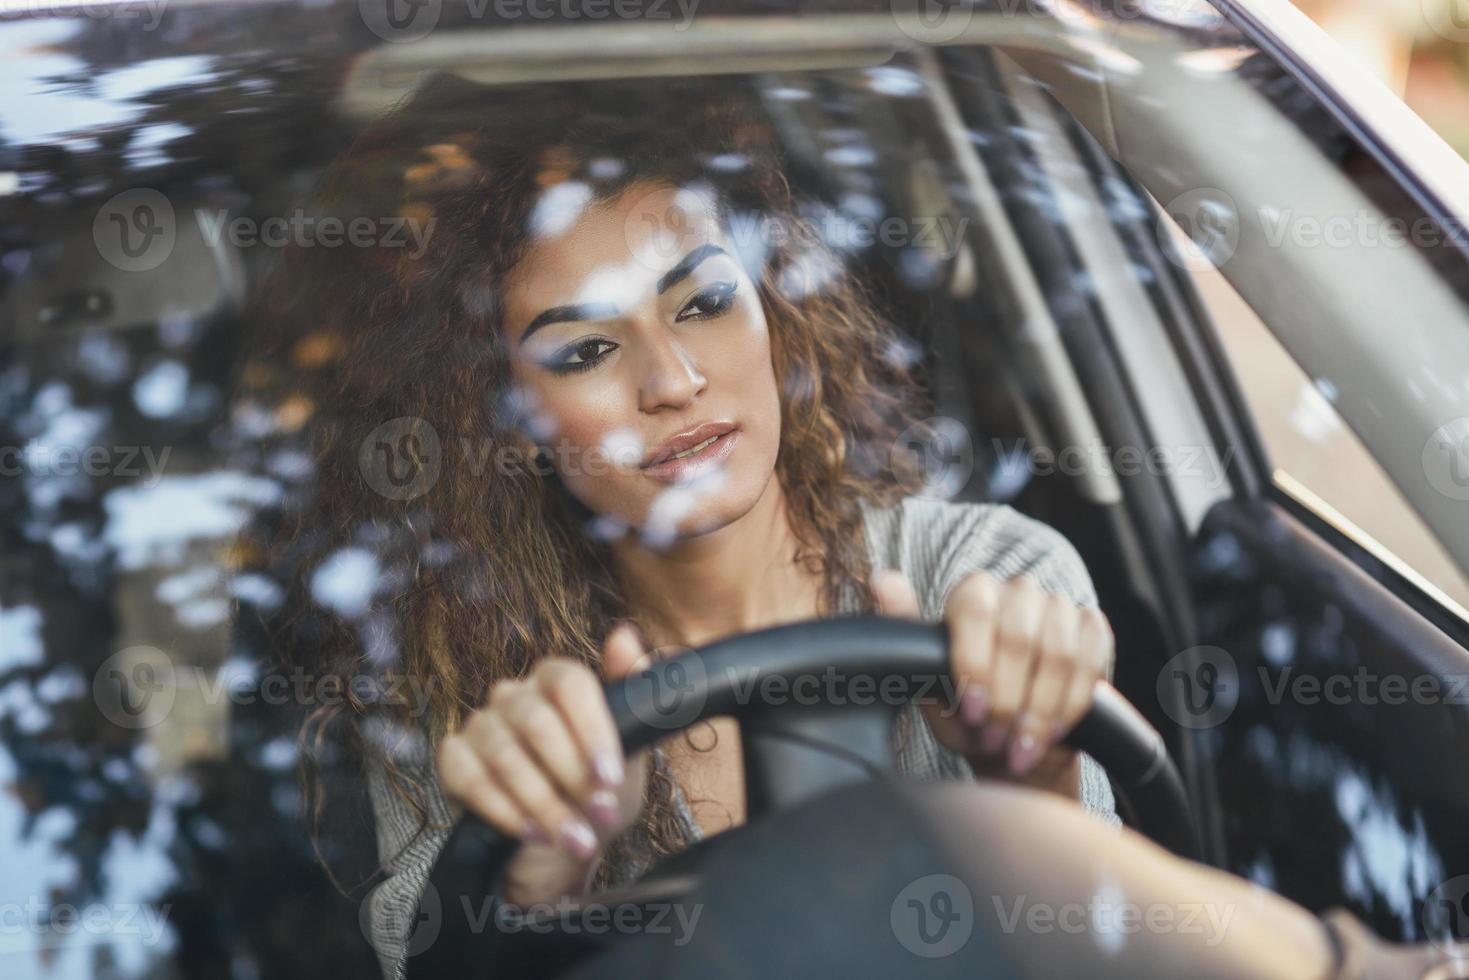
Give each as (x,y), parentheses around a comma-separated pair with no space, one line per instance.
(816,703)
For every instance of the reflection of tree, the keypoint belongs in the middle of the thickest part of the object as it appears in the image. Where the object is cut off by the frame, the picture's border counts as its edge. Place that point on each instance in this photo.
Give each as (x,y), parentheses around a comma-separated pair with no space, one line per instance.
(249,897)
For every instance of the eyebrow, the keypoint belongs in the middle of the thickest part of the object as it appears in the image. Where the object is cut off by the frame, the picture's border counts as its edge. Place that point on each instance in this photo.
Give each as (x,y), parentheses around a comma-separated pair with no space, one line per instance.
(604,311)
(686,265)
(568,314)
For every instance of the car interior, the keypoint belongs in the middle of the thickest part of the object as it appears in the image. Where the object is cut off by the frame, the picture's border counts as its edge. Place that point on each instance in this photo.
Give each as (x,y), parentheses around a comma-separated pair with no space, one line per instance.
(1052,303)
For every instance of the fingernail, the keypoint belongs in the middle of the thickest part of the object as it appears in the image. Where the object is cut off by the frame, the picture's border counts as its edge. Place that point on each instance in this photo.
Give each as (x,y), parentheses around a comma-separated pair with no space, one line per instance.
(602,807)
(534,834)
(607,765)
(578,838)
(1024,754)
(993,738)
(974,705)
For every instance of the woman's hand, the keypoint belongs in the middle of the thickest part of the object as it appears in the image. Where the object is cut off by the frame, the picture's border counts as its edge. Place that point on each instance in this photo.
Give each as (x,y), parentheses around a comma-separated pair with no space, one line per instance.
(543,762)
(1024,664)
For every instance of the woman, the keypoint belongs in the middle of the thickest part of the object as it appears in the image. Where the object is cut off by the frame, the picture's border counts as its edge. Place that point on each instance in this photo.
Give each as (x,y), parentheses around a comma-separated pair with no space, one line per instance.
(691,431)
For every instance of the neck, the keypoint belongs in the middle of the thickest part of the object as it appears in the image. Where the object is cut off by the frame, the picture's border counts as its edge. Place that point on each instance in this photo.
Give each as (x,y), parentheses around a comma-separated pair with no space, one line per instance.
(738,578)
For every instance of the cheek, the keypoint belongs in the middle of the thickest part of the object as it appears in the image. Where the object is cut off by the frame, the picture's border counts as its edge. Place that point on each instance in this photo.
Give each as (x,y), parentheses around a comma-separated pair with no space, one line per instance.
(739,359)
(756,365)
(585,417)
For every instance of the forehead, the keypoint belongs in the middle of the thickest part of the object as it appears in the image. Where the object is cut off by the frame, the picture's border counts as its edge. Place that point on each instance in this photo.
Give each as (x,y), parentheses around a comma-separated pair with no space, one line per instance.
(613,251)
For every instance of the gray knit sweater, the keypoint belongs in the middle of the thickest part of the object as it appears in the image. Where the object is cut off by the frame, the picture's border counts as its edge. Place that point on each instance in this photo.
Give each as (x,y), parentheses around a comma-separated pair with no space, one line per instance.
(935,544)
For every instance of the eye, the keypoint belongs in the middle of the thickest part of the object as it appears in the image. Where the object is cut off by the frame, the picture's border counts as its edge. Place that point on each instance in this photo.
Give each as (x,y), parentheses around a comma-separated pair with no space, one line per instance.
(708,303)
(581,356)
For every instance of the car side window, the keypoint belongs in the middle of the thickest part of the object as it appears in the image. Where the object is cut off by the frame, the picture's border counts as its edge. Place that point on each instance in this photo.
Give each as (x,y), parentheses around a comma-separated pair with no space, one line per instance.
(1314,456)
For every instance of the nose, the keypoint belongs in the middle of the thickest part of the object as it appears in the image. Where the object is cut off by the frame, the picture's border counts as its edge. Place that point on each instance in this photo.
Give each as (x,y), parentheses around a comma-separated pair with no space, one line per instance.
(671,377)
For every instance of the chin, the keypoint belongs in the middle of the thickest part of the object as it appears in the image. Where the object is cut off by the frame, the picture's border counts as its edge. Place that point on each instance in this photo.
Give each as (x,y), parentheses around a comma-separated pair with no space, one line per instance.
(682,512)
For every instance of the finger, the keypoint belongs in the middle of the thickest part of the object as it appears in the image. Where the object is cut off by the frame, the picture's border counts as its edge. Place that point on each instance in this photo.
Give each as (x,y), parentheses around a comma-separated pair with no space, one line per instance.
(894,595)
(540,727)
(623,652)
(516,774)
(464,779)
(1094,645)
(971,612)
(1017,625)
(583,705)
(1055,663)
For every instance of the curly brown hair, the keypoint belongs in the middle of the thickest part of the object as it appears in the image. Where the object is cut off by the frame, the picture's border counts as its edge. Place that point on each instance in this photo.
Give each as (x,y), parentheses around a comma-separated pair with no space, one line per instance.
(489,572)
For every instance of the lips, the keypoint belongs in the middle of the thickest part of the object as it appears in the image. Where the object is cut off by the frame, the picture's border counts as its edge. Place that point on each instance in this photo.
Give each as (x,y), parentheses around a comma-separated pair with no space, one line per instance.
(691,451)
(688,444)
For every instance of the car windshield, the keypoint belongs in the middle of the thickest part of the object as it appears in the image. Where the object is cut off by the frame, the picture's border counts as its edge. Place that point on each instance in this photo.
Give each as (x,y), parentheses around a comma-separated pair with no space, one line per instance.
(310,312)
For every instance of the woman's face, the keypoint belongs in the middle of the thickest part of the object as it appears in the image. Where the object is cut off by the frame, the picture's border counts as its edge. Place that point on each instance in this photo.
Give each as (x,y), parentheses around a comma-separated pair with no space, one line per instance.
(642,354)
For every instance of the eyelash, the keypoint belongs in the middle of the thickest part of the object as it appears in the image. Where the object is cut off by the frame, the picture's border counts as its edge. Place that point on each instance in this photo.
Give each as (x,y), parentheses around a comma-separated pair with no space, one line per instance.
(576,367)
(720,296)
(721,293)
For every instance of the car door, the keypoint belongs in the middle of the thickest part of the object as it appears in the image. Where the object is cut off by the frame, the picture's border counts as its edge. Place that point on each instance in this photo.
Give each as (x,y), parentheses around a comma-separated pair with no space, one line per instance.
(1297,621)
